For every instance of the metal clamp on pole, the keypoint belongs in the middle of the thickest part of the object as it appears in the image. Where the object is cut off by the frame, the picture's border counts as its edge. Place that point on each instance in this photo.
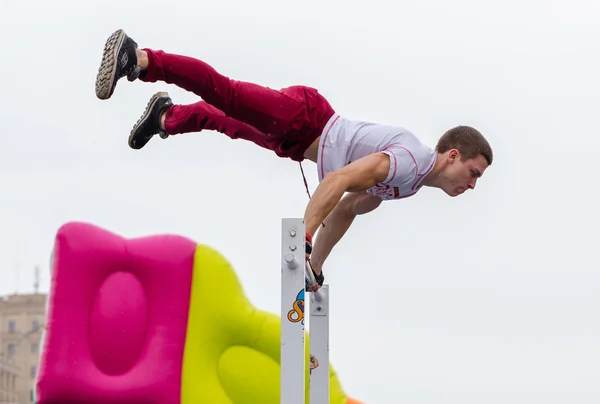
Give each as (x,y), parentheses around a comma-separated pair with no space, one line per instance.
(291,260)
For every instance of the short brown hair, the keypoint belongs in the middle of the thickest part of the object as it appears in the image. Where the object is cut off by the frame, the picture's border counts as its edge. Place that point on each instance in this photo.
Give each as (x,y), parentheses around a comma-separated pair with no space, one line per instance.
(468,141)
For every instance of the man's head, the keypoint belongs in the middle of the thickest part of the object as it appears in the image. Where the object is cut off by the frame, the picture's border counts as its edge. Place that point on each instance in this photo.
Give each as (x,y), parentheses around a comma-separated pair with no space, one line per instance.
(463,156)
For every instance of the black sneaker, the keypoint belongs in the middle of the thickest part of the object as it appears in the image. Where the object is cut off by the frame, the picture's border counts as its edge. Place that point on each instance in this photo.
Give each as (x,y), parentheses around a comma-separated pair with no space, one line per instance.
(118,60)
(149,123)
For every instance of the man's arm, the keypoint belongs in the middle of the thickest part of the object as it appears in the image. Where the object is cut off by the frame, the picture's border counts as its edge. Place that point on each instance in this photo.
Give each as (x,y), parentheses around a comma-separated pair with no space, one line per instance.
(360,175)
(338,222)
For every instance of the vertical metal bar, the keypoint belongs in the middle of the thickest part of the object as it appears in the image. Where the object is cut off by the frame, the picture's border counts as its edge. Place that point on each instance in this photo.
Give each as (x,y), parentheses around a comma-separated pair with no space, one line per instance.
(319,347)
(292,312)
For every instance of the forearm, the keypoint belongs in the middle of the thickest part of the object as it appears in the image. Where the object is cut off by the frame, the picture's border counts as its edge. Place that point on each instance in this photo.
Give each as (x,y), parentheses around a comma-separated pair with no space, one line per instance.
(338,222)
(324,200)
(359,175)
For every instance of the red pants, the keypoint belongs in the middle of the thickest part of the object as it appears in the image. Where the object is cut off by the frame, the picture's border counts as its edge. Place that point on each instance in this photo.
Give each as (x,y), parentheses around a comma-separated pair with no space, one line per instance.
(285,121)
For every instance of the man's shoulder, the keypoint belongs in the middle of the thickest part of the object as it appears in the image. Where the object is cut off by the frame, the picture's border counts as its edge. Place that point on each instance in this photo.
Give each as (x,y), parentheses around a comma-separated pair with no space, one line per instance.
(413,149)
(389,136)
(410,161)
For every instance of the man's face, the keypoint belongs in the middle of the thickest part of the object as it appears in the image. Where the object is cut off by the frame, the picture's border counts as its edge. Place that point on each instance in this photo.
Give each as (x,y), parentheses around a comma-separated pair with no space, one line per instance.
(461,175)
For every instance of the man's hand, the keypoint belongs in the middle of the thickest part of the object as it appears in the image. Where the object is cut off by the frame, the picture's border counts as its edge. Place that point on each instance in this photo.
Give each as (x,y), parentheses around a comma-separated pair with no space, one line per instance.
(318,275)
(360,175)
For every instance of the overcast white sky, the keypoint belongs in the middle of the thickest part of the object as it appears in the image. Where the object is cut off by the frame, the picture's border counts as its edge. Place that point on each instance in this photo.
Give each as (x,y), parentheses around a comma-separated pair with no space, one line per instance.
(491,297)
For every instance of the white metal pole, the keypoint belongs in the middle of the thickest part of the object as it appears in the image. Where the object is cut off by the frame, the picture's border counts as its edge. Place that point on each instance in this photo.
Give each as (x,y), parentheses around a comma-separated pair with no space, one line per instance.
(319,347)
(292,360)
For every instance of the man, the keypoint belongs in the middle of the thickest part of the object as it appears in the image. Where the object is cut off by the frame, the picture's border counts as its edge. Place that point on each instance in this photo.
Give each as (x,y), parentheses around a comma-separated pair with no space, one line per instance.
(359,164)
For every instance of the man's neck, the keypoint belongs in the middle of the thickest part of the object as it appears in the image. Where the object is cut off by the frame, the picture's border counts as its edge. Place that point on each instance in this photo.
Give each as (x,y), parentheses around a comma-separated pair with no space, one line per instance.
(432,179)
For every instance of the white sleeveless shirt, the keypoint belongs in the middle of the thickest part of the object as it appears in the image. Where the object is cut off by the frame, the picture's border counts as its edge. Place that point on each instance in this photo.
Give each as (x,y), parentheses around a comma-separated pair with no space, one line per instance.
(344,141)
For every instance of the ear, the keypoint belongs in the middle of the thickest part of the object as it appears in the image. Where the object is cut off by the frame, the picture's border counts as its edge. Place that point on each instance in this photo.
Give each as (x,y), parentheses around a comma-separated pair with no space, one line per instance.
(453,155)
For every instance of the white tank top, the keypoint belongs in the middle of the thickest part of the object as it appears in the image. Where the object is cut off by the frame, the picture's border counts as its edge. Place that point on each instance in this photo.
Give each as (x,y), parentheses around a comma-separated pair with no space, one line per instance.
(344,141)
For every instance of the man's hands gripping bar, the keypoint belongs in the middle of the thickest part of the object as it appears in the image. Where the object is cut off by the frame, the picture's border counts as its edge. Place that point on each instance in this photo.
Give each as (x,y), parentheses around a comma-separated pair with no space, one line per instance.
(311,275)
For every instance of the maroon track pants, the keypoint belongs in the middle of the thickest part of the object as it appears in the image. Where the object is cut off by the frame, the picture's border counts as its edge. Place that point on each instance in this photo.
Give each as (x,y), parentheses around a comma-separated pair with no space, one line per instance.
(285,121)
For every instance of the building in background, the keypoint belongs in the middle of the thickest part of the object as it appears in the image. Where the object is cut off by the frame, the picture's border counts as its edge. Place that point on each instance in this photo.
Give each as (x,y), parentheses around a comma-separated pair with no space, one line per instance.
(22,319)
(9,372)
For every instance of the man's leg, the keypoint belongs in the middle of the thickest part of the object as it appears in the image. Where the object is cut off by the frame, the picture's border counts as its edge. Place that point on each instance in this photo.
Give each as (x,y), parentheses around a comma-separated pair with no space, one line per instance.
(275,113)
(164,118)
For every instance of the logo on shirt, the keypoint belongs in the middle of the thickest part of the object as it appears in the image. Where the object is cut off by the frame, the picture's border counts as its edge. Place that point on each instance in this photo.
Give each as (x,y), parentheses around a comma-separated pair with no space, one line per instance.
(385,192)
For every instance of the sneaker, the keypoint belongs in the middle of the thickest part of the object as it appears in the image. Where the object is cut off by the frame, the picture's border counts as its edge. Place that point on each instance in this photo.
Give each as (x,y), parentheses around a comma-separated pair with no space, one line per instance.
(149,123)
(118,60)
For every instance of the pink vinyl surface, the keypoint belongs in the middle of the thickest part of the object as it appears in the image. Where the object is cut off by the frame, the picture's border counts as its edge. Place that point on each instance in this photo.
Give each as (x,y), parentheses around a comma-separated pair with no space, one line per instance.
(117,318)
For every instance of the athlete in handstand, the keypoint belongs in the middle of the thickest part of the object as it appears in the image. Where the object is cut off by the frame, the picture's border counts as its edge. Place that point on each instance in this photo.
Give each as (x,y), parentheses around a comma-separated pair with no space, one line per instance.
(359,164)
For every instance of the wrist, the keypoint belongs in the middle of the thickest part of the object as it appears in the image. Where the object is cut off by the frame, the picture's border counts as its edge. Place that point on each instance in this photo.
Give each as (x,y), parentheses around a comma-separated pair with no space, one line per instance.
(316,264)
